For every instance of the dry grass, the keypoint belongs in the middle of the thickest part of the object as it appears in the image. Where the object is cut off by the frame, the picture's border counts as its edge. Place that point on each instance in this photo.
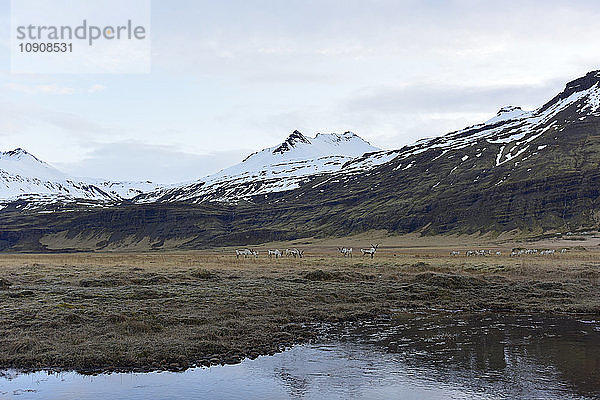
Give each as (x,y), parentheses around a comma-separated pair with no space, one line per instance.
(103,311)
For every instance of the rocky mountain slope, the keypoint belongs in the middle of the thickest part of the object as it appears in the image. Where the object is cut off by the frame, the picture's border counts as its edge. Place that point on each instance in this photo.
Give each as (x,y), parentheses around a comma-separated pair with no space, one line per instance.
(535,171)
(527,170)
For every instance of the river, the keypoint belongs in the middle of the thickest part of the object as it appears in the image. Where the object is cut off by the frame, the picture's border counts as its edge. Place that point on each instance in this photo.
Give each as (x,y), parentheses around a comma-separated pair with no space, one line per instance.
(432,355)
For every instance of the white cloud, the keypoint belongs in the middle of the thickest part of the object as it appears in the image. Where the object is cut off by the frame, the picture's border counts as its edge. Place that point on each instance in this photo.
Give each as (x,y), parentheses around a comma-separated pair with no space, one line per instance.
(96,88)
(52,88)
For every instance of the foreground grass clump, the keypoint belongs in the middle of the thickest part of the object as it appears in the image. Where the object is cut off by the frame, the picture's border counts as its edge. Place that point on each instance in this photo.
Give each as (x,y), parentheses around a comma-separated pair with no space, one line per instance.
(4,284)
(141,312)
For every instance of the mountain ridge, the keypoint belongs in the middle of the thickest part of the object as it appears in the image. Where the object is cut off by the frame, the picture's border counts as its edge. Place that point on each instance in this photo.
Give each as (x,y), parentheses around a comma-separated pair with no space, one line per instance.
(24,176)
(274,169)
(534,172)
(40,180)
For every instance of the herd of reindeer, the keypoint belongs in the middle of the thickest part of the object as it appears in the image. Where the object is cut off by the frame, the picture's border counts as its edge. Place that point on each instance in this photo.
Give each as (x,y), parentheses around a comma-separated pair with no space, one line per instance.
(514,253)
(345,251)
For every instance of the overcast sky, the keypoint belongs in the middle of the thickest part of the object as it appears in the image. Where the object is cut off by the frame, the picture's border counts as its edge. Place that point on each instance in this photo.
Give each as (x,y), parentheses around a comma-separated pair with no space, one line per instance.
(232,77)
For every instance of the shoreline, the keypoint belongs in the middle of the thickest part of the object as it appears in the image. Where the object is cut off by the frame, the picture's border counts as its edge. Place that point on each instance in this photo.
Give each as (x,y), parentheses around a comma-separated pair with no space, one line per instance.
(224,359)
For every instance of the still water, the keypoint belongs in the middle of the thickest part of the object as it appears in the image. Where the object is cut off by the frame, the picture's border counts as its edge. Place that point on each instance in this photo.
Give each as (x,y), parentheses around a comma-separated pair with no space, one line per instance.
(417,356)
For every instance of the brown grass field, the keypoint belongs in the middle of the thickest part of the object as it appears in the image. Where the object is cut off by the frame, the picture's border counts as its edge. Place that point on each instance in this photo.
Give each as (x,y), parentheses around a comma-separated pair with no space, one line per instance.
(155,311)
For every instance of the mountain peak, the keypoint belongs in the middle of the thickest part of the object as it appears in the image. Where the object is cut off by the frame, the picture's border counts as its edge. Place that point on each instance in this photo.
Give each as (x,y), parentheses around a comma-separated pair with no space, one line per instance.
(508,109)
(506,113)
(291,141)
(299,147)
(274,169)
(19,166)
(583,83)
(18,154)
(578,85)
(343,136)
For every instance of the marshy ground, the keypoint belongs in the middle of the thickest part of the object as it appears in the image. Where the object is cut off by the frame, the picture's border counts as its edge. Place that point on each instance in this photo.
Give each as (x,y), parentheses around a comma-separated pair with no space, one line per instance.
(151,311)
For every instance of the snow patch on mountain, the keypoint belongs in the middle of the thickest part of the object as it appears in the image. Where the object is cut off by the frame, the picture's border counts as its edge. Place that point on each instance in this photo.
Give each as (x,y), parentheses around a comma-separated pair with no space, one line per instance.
(506,113)
(20,162)
(274,169)
(511,125)
(299,147)
(23,176)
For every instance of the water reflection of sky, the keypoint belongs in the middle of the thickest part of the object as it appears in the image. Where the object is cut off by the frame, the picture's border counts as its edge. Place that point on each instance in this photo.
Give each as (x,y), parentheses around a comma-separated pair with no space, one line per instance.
(478,357)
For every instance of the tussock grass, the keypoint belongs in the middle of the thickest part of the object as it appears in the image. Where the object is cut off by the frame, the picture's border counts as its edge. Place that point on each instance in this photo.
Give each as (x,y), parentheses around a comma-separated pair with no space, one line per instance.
(203,273)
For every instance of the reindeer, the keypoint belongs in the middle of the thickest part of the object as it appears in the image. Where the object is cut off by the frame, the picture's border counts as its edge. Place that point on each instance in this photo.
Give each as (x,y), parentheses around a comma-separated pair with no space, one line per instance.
(517,252)
(275,253)
(296,253)
(370,251)
(346,251)
(243,252)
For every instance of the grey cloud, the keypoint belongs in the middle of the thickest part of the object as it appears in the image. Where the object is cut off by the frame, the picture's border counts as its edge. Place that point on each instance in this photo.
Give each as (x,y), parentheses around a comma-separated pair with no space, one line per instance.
(138,161)
(73,123)
(29,115)
(393,117)
(429,98)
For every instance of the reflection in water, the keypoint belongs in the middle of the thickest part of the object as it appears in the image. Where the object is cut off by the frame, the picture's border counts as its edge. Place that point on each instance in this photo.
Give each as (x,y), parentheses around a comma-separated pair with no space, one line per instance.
(417,356)
(512,354)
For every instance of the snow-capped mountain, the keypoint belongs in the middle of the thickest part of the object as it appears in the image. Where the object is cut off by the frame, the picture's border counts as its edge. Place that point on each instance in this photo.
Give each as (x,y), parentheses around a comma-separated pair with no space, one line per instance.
(513,135)
(525,172)
(274,169)
(531,170)
(279,168)
(25,177)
